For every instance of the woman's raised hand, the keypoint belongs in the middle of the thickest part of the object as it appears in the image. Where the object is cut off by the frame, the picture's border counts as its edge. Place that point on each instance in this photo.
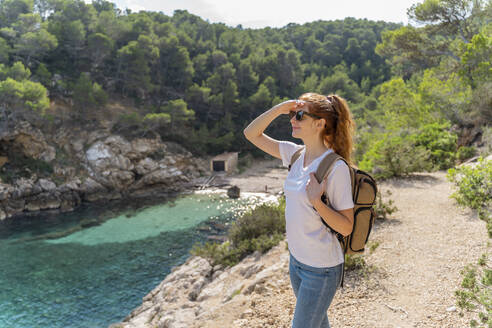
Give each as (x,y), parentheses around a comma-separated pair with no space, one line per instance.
(289,105)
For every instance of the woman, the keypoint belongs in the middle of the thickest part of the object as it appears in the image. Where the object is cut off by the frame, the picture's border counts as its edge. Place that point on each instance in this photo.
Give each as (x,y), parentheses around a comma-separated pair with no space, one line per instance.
(324,124)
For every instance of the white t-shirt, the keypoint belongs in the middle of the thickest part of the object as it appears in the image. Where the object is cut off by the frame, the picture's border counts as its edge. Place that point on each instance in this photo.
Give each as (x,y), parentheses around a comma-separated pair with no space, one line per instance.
(309,240)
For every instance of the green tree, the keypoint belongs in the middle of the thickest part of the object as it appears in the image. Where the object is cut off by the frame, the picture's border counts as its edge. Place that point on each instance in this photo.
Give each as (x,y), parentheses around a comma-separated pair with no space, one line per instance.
(87,95)
(179,114)
(447,24)
(261,100)
(476,63)
(198,98)
(134,66)
(99,47)
(176,69)
(17,72)
(19,95)
(246,78)
(11,9)
(33,46)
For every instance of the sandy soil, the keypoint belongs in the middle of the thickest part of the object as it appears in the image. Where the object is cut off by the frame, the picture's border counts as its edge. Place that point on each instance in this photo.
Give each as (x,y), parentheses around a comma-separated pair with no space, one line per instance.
(410,278)
(265,176)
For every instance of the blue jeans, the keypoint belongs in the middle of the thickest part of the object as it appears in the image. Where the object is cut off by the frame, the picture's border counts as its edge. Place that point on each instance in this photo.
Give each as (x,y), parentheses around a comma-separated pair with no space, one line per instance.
(314,289)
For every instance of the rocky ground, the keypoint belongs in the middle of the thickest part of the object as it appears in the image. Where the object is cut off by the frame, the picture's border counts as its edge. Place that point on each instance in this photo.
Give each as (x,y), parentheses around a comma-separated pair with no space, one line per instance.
(409,280)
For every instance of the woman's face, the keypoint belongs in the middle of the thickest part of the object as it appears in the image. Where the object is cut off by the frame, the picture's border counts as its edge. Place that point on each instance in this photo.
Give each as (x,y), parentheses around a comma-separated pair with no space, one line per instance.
(306,126)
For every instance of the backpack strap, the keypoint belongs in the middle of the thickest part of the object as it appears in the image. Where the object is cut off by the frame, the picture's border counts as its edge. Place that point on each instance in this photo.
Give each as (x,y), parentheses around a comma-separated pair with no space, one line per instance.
(324,169)
(295,156)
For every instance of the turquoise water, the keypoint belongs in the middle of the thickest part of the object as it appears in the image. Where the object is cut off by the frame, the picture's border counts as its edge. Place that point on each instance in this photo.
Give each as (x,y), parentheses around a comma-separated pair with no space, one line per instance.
(92,267)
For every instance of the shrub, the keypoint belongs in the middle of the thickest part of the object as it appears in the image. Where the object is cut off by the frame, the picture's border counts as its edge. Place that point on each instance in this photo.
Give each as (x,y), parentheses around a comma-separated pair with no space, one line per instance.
(259,229)
(383,209)
(395,154)
(475,294)
(474,185)
(354,262)
(441,144)
(20,165)
(465,152)
(373,245)
(263,220)
(486,140)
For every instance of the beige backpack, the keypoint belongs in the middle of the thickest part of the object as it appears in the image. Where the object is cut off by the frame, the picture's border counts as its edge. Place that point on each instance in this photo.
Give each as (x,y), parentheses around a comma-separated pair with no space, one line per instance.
(364,192)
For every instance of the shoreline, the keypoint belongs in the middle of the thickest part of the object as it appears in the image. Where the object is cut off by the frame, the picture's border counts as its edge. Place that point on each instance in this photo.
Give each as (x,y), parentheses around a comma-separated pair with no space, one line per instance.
(263,175)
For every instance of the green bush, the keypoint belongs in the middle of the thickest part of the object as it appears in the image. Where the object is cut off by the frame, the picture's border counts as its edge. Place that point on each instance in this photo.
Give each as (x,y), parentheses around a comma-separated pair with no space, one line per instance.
(441,144)
(258,229)
(475,191)
(474,187)
(20,165)
(263,220)
(402,151)
(465,153)
(486,140)
(383,209)
(475,293)
(354,262)
(395,154)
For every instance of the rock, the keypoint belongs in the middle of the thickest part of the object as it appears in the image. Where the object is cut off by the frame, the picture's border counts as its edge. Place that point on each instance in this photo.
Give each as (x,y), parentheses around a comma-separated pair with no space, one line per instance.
(197,288)
(246,313)
(451,309)
(30,141)
(251,269)
(233,291)
(72,185)
(46,185)
(23,188)
(211,290)
(3,160)
(262,277)
(44,200)
(165,322)
(14,206)
(91,186)
(161,176)
(146,166)
(141,148)
(233,192)
(5,191)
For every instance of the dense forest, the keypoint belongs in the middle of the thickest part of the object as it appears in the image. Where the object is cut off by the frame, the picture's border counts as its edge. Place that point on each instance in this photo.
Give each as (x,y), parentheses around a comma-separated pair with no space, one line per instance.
(200,84)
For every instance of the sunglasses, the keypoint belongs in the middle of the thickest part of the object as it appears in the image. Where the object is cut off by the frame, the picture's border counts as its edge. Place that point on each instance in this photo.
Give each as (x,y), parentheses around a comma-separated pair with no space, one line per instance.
(300,115)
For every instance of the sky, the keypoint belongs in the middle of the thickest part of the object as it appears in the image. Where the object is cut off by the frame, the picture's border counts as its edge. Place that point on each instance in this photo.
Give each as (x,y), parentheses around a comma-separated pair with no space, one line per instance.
(277,13)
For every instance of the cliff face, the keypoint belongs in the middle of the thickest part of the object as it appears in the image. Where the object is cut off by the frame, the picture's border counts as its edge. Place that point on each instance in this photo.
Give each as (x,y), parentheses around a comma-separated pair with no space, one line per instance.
(87,166)
(192,293)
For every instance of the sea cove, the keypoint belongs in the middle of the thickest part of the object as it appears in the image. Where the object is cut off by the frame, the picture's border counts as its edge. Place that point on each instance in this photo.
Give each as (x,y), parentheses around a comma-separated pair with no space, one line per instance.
(89,268)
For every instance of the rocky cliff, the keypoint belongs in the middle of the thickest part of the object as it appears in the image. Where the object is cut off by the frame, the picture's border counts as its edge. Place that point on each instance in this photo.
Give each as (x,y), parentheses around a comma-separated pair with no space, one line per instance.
(86,166)
(194,290)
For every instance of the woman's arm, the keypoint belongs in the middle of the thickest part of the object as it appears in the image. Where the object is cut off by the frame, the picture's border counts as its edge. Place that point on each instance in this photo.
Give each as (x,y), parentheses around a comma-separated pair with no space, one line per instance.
(254,131)
(340,221)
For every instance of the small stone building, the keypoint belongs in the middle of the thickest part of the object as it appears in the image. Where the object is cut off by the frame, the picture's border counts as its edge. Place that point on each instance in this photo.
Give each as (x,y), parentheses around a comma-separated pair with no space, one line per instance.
(226,162)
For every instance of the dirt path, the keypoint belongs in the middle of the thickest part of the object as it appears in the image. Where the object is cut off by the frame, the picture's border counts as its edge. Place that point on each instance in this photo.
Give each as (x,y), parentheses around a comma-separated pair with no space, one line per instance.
(413,273)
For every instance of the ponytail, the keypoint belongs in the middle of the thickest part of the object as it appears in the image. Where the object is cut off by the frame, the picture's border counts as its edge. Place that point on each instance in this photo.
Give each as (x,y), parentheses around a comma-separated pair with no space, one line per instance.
(343,129)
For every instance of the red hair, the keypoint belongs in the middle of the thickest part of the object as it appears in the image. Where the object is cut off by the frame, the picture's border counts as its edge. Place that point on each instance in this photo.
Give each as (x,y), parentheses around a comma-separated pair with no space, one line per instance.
(339,129)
